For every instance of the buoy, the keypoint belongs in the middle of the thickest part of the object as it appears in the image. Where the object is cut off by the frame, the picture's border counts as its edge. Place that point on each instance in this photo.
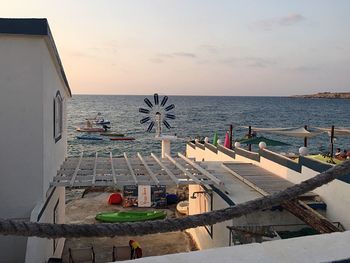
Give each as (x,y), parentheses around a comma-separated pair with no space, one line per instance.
(115,199)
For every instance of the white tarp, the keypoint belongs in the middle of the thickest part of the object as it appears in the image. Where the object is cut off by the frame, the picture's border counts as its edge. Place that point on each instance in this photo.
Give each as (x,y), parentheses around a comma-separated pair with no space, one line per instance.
(337,131)
(300,132)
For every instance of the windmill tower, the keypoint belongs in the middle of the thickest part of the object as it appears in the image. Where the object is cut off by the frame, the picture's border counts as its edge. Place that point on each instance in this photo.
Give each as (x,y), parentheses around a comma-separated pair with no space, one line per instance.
(158,116)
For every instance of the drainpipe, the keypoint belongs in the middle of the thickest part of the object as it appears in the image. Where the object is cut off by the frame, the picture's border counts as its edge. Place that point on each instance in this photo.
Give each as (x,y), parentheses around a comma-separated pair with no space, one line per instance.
(250,136)
(332,140)
(305,138)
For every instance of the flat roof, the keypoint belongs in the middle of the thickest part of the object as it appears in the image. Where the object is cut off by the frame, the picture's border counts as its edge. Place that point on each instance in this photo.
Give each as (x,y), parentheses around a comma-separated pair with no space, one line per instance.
(33,27)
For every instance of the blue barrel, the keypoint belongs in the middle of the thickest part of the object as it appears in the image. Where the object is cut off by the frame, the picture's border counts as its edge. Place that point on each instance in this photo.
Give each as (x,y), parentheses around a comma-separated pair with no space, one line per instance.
(172,199)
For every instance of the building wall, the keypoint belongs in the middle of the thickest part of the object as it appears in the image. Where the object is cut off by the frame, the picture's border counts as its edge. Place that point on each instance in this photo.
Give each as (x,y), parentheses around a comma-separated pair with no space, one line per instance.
(50,211)
(29,156)
(220,234)
(21,134)
(21,125)
(200,235)
(335,194)
(54,152)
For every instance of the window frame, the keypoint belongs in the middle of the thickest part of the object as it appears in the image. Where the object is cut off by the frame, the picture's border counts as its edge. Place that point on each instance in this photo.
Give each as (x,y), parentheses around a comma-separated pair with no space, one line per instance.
(57,117)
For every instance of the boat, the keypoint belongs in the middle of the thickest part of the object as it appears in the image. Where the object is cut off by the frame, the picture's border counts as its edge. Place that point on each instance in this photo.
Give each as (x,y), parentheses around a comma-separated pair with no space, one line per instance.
(112,134)
(182,207)
(122,139)
(89,129)
(99,120)
(102,122)
(129,216)
(89,137)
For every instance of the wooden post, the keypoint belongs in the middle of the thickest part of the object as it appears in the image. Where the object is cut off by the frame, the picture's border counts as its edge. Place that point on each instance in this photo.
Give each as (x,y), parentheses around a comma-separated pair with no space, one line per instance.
(332,140)
(250,136)
(305,138)
(231,135)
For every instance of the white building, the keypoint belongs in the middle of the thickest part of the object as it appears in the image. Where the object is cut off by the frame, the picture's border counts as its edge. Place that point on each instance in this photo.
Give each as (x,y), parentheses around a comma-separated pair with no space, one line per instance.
(335,195)
(33,138)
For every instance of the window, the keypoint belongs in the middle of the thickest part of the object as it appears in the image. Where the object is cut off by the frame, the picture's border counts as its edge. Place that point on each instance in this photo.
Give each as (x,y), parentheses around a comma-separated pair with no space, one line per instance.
(58,116)
(55,221)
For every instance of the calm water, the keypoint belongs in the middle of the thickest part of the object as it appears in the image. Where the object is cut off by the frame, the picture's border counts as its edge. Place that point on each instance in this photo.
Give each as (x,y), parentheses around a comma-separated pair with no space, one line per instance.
(202,116)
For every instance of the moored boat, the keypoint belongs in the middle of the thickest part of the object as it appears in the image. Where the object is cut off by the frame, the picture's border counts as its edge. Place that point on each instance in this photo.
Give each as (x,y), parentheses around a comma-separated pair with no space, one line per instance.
(89,137)
(88,129)
(102,122)
(122,139)
(130,216)
(112,134)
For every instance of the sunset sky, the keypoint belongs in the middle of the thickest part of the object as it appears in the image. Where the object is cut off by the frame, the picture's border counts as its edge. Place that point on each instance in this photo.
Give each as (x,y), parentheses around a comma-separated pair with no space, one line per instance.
(191,47)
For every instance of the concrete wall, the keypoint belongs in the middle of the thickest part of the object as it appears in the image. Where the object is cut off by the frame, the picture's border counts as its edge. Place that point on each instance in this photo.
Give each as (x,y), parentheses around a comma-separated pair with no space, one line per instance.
(21,134)
(335,194)
(29,156)
(40,249)
(318,248)
(200,235)
(21,121)
(220,234)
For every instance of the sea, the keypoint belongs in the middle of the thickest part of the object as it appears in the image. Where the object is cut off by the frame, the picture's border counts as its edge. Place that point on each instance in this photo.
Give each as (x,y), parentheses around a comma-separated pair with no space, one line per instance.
(200,117)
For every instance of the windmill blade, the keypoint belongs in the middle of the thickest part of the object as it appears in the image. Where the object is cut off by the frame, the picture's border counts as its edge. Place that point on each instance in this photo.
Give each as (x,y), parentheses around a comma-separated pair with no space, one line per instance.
(156,99)
(170,107)
(147,101)
(142,110)
(166,124)
(170,116)
(145,120)
(164,100)
(149,129)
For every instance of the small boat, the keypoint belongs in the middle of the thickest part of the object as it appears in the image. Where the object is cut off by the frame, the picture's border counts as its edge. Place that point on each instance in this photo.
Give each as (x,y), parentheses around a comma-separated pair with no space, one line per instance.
(182,207)
(102,122)
(112,134)
(122,139)
(130,216)
(89,137)
(88,129)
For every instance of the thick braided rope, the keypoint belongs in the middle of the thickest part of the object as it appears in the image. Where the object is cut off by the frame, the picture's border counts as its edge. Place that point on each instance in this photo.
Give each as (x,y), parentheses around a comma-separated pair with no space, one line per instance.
(22,228)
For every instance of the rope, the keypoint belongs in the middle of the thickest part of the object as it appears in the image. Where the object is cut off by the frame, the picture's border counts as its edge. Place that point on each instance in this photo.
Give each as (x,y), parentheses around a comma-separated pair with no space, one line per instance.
(46,230)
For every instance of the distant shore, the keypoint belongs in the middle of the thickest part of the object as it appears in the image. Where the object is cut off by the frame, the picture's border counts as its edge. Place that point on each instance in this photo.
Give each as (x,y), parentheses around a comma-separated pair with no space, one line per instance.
(325,95)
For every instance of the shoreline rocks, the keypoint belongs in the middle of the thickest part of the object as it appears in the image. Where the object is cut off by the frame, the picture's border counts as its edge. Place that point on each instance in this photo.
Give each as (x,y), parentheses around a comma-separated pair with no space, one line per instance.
(325,95)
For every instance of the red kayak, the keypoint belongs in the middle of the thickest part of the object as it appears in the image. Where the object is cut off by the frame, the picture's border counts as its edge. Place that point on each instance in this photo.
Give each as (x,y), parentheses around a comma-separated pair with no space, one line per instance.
(122,139)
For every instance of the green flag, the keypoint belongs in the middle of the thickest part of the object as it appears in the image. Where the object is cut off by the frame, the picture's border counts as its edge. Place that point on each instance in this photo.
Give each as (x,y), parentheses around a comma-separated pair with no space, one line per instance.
(215,139)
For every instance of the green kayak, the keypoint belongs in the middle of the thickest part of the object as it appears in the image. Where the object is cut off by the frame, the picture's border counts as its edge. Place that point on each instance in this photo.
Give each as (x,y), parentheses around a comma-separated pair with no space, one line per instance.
(129,216)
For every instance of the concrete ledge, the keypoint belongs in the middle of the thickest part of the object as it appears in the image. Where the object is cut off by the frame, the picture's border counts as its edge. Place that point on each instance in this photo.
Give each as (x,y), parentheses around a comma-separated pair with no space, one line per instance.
(200,146)
(284,161)
(226,151)
(211,147)
(192,145)
(317,248)
(250,155)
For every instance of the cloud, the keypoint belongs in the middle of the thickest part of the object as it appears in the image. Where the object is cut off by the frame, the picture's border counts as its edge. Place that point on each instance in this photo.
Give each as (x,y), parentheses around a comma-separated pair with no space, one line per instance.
(305,69)
(268,24)
(209,48)
(163,57)
(156,60)
(250,62)
(184,54)
(291,20)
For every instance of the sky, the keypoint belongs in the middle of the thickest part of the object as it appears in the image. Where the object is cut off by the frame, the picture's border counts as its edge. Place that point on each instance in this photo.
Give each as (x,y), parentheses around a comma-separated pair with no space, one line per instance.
(198,47)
